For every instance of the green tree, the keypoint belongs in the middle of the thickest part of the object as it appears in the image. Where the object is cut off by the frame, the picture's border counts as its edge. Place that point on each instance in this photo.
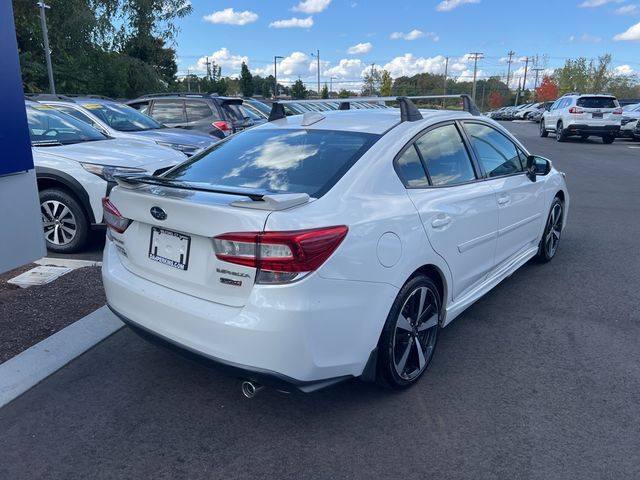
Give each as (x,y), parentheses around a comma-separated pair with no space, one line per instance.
(246,81)
(266,89)
(324,92)
(573,77)
(371,80)
(386,84)
(298,91)
(344,93)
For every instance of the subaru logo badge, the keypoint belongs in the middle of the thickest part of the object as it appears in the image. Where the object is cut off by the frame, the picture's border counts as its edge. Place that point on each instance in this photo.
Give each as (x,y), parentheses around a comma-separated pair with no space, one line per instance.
(158,213)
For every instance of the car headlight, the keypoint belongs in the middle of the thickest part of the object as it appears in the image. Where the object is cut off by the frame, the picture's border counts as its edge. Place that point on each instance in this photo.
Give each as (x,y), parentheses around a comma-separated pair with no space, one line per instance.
(107,172)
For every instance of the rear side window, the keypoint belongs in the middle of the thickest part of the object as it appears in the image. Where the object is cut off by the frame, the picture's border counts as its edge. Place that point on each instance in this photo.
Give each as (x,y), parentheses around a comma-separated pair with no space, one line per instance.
(300,161)
(446,157)
(597,102)
(497,154)
(168,111)
(233,111)
(197,110)
(410,169)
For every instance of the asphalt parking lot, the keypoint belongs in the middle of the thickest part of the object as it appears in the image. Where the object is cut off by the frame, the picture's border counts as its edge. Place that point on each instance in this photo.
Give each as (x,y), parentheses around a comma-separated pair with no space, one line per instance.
(538,380)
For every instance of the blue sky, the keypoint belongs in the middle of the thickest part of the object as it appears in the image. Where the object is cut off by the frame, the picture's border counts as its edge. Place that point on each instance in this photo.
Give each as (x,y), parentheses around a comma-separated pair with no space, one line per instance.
(405,37)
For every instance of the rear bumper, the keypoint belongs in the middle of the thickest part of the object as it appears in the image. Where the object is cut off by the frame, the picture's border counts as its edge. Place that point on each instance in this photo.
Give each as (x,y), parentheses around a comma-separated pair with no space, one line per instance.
(305,334)
(596,130)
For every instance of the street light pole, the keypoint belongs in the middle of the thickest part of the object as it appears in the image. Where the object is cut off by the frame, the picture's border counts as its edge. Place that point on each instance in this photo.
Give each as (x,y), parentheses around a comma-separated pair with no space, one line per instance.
(317,55)
(275,76)
(45,41)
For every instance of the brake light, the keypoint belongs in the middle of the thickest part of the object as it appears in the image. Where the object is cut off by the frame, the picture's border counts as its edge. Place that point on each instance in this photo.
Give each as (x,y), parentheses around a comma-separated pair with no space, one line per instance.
(112,216)
(280,256)
(576,110)
(617,111)
(224,127)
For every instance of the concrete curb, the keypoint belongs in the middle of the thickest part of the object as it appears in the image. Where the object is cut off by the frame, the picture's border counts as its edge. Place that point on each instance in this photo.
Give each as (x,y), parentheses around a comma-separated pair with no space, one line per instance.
(27,369)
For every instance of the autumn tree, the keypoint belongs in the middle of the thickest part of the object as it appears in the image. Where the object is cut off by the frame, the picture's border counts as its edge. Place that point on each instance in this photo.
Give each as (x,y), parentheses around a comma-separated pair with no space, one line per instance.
(547,90)
(496,100)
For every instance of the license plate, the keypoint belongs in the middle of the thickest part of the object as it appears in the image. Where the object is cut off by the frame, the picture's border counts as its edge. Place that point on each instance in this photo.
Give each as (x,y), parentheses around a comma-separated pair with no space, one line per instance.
(596,115)
(169,248)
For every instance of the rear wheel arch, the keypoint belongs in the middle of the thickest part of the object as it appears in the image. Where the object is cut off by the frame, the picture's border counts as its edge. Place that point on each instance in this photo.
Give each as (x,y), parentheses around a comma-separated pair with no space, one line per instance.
(437,276)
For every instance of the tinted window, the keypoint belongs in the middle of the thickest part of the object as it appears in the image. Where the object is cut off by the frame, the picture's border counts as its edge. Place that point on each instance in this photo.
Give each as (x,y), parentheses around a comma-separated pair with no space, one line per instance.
(48,126)
(447,160)
(141,106)
(122,117)
(597,102)
(411,170)
(233,111)
(168,111)
(301,161)
(197,110)
(497,154)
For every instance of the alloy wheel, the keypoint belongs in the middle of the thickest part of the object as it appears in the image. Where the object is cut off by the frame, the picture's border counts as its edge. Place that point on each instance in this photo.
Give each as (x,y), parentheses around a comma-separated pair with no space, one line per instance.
(415,333)
(554,229)
(59,222)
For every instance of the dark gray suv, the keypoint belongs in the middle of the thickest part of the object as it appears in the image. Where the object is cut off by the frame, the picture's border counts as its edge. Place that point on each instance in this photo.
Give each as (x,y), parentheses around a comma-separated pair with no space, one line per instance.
(209,113)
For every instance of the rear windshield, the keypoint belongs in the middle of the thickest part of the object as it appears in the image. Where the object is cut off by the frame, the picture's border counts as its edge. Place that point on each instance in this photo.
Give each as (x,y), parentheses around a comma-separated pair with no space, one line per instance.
(234,111)
(597,102)
(294,161)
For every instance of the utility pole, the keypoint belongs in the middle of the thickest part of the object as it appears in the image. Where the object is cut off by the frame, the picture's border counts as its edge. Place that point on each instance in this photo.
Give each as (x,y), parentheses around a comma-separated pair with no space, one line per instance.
(535,88)
(275,76)
(317,55)
(476,56)
(45,41)
(371,81)
(444,85)
(208,69)
(524,82)
(518,93)
(511,54)
(188,80)
(331,79)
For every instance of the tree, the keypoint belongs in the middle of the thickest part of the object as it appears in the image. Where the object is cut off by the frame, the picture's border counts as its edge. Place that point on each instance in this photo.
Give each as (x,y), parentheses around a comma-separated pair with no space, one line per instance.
(386,84)
(547,90)
(573,77)
(371,80)
(344,93)
(495,100)
(298,91)
(266,89)
(246,81)
(324,92)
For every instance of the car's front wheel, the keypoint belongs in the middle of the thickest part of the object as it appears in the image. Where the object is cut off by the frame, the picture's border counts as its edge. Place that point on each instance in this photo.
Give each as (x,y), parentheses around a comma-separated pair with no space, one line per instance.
(543,129)
(609,139)
(560,135)
(553,229)
(64,222)
(410,333)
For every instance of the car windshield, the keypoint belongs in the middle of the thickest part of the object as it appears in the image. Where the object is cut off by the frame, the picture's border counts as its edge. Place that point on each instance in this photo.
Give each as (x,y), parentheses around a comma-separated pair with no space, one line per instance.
(122,117)
(296,161)
(631,108)
(48,127)
(597,102)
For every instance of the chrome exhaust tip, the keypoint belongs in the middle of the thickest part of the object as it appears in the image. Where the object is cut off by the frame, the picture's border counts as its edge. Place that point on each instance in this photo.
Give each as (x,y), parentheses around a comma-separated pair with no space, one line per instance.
(250,389)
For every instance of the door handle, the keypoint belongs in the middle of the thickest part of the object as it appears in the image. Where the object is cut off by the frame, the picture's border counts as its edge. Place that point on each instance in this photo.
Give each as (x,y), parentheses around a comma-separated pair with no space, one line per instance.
(441,221)
(503,199)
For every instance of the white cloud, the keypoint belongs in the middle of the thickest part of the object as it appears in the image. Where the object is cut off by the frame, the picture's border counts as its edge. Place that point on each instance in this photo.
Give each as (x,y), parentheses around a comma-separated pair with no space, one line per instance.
(627,10)
(311,6)
(413,35)
(632,34)
(584,38)
(623,70)
(230,17)
(360,48)
(448,5)
(597,3)
(297,63)
(229,63)
(346,68)
(408,65)
(293,23)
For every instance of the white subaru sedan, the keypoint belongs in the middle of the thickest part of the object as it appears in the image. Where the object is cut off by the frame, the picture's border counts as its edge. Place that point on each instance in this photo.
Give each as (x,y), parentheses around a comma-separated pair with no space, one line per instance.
(330,245)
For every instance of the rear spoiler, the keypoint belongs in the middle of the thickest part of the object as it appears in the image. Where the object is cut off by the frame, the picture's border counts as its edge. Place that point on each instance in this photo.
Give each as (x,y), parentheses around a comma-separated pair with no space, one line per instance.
(256,201)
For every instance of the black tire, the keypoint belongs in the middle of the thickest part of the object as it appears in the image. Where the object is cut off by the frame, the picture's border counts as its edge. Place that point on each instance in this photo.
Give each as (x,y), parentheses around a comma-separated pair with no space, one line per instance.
(550,241)
(543,129)
(400,363)
(65,231)
(584,137)
(609,139)
(560,135)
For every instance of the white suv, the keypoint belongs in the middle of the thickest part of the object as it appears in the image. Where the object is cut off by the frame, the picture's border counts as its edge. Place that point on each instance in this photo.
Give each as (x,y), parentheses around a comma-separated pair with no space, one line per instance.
(575,114)
(75,167)
(330,245)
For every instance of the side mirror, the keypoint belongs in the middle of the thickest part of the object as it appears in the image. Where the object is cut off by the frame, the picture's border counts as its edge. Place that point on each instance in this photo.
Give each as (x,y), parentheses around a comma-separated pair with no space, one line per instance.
(531,168)
(537,166)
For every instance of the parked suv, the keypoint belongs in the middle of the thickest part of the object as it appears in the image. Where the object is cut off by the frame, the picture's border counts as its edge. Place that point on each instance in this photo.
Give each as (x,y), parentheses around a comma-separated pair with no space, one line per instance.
(121,121)
(575,114)
(206,112)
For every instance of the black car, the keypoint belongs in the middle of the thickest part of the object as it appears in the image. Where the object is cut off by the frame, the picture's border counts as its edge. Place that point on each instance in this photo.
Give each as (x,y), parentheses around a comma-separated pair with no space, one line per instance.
(218,116)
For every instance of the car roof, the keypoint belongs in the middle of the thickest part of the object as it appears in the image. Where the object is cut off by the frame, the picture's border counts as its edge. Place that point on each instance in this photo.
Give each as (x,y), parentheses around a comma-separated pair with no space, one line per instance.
(375,121)
(185,95)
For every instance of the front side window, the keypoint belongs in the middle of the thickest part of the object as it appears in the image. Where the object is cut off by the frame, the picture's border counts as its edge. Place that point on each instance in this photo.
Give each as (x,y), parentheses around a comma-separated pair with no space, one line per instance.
(497,154)
(282,161)
(446,157)
(168,111)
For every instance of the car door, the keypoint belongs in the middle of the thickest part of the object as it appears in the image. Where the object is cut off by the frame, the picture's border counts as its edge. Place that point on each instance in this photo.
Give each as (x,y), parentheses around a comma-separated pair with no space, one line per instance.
(169,112)
(520,200)
(459,214)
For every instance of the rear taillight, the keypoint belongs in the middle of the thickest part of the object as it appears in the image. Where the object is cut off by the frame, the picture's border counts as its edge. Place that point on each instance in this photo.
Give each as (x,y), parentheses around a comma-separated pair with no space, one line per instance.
(224,127)
(576,110)
(617,111)
(112,216)
(280,256)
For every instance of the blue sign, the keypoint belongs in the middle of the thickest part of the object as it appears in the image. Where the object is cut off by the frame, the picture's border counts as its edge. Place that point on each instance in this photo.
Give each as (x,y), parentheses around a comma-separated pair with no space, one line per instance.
(15,145)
